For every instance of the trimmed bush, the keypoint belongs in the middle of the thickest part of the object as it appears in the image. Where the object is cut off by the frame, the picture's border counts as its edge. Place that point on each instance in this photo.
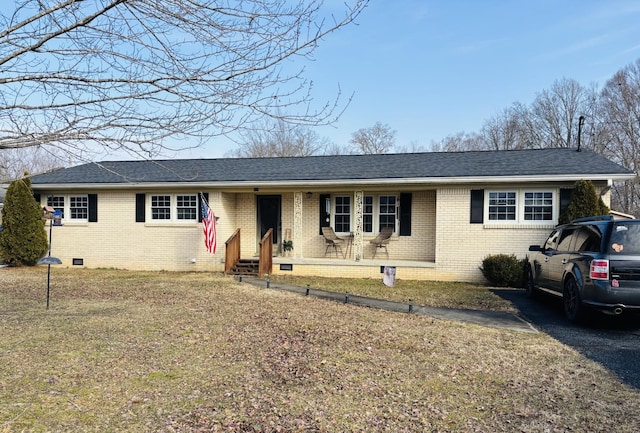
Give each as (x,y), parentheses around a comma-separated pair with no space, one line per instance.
(503,270)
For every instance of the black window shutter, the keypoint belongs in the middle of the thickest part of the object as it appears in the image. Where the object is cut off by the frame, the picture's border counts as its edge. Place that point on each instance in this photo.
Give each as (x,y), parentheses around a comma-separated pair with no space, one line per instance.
(405,213)
(141,202)
(36,197)
(206,198)
(565,198)
(93,208)
(477,206)
(325,217)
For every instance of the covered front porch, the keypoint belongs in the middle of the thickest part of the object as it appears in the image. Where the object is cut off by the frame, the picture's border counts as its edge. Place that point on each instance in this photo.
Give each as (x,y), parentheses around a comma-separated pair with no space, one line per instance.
(265,263)
(356,216)
(298,219)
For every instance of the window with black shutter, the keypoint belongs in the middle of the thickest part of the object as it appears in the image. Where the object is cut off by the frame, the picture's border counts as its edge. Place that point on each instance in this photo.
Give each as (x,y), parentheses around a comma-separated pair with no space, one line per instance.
(405,214)
(141,200)
(477,206)
(325,211)
(93,208)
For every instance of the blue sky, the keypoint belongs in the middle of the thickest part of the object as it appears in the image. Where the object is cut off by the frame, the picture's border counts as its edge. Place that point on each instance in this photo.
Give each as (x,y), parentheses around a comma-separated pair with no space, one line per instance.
(430,69)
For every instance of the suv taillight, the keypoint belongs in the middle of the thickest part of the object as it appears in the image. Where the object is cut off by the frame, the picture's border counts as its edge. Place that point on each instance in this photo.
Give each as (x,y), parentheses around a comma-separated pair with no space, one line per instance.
(600,269)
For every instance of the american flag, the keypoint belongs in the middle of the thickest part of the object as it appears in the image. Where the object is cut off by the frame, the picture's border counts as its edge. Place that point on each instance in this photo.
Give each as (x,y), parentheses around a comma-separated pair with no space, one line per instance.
(209,227)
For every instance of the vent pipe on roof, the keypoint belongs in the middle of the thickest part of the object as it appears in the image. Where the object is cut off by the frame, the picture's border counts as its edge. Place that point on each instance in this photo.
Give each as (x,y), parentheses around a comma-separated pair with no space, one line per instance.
(580,122)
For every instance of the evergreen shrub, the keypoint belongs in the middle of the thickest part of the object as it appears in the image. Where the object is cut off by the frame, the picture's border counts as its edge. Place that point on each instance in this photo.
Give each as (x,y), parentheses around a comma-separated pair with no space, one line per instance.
(584,203)
(23,239)
(503,270)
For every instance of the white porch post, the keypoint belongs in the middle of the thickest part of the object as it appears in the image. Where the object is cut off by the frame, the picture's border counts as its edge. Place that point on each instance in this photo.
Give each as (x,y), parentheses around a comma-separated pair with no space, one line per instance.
(297,225)
(358,206)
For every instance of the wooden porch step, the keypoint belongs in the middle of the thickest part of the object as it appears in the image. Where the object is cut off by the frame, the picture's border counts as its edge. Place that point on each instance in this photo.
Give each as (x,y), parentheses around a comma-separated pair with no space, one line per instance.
(246,267)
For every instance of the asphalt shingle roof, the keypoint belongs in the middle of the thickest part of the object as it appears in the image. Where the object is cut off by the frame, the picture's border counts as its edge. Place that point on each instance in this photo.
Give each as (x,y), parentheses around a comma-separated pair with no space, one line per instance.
(533,162)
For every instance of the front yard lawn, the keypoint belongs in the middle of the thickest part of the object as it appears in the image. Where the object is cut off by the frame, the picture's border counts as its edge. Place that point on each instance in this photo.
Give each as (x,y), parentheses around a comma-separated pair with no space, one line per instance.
(194,352)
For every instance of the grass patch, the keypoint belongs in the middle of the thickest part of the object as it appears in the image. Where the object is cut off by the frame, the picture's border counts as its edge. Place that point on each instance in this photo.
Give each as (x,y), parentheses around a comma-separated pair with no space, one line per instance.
(187,352)
(431,293)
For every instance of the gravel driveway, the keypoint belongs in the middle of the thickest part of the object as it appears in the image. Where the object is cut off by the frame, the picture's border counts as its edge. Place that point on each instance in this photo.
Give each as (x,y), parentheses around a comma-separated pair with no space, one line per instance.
(614,342)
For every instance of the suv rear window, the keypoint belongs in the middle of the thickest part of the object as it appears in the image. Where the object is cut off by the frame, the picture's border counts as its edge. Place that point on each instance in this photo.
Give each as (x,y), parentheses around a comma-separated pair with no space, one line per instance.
(588,238)
(625,238)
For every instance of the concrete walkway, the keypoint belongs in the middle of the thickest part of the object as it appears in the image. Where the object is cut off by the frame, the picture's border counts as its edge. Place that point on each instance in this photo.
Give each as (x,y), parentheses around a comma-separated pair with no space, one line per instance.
(493,319)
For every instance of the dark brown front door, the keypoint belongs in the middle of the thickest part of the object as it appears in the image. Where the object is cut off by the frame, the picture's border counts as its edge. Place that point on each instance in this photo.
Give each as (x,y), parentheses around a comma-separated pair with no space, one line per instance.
(269,216)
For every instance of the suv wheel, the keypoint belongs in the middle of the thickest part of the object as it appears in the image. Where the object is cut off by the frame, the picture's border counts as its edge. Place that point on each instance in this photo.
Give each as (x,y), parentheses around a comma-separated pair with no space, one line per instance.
(528,282)
(573,308)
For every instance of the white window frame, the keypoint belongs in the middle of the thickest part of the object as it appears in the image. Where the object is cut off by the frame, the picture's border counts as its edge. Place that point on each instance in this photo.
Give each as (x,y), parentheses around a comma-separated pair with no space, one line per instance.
(396,206)
(174,214)
(63,202)
(83,206)
(158,207)
(520,205)
(342,214)
(375,212)
(191,207)
(488,200)
(538,205)
(54,202)
(371,213)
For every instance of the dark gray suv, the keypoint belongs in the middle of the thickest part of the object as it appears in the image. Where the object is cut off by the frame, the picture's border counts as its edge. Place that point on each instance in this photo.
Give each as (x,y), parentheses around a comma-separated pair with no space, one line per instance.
(592,264)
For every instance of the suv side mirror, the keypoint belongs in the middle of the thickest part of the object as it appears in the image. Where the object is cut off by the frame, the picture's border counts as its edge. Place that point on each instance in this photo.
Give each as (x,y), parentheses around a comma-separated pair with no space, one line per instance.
(535,248)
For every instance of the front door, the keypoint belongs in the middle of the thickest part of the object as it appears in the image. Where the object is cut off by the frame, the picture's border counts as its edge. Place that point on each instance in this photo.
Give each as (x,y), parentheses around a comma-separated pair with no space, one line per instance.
(269,218)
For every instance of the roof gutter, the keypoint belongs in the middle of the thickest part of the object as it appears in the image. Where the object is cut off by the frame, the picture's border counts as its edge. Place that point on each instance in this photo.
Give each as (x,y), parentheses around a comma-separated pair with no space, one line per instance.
(432,181)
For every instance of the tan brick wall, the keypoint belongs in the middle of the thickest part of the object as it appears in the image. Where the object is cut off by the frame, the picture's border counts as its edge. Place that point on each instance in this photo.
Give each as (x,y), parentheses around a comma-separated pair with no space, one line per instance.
(453,252)
(420,246)
(117,241)
(314,244)
(246,222)
(461,246)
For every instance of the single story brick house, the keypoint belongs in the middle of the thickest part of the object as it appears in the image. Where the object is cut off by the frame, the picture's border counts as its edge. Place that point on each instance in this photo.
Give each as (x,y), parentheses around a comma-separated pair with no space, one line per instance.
(448,210)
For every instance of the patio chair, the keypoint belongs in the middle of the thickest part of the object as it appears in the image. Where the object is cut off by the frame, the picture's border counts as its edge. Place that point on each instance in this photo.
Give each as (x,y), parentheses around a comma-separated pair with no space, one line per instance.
(382,240)
(332,240)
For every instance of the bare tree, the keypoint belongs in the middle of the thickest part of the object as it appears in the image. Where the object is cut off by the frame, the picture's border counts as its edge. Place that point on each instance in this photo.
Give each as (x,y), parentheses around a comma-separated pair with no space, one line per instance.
(376,139)
(507,130)
(459,142)
(279,138)
(412,147)
(555,113)
(15,162)
(337,149)
(142,75)
(621,124)
(550,121)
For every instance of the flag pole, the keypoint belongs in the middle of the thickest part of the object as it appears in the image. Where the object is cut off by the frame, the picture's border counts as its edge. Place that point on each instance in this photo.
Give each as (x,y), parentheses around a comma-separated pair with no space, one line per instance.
(209,224)
(203,199)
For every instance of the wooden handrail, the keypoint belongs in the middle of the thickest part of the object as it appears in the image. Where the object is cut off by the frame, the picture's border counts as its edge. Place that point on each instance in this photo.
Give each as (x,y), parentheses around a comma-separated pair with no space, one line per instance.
(266,254)
(232,251)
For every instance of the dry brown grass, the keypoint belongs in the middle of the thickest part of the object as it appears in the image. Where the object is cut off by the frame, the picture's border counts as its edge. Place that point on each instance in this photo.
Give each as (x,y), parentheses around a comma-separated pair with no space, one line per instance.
(168,352)
(431,293)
